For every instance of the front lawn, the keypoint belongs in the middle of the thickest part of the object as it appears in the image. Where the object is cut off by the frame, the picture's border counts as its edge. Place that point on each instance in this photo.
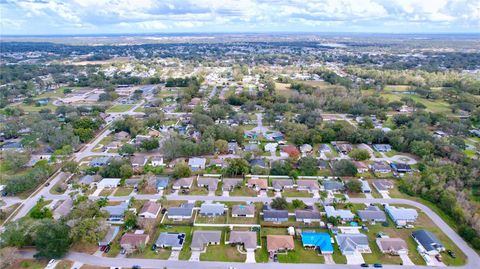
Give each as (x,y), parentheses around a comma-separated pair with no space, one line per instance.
(243,191)
(123,191)
(222,253)
(296,193)
(119,108)
(301,255)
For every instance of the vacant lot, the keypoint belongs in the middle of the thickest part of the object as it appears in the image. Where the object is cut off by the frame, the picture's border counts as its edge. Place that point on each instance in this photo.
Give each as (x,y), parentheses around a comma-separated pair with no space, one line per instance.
(120,108)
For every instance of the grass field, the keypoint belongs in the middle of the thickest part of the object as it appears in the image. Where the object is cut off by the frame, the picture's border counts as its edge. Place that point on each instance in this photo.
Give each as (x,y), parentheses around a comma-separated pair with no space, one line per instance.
(301,255)
(120,108)
(123,191)
(437,106)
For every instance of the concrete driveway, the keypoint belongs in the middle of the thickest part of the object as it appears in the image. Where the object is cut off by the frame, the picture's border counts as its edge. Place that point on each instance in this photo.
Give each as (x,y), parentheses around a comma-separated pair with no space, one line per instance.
(226,194)
(328,259)
(355,258)
(174,255)
(250,257)
(406,260)
(195,256)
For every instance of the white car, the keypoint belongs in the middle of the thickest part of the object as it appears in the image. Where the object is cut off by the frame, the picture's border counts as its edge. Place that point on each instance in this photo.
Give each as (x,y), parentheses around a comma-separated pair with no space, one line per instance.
(51,263)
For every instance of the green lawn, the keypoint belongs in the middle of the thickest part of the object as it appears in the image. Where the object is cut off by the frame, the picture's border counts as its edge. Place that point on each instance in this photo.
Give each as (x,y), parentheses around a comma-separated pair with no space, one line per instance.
(296,193)
(436,106)
(211,220)
(301,255)
(337,256)
(123,191)
(120,108)
(222,253)
(243,191)
(261,255)
(31,264)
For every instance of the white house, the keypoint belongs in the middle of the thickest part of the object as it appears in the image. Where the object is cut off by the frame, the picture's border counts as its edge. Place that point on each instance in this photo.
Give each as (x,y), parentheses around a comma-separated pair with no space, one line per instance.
(108,183)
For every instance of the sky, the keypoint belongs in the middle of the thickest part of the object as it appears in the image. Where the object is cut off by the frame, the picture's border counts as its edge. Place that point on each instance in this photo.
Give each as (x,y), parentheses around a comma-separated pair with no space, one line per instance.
(70,17)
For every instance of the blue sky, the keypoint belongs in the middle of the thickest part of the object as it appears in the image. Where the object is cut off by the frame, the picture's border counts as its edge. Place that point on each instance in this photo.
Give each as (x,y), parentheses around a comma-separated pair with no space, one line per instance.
(40,17)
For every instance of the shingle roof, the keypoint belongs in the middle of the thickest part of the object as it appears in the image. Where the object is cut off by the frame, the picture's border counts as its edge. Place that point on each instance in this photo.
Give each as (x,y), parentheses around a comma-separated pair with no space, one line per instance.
(281,183)
(212,183)
(229,183)
(307,214)
(243,209)
(349,242)
(133,239)
(184,210)
(150,207)
(277,214)
(277,242)
(427,239)
(215,209)
(342,213)
(372,213)
(309,184)
(201,238)
(174,240)
(249,239)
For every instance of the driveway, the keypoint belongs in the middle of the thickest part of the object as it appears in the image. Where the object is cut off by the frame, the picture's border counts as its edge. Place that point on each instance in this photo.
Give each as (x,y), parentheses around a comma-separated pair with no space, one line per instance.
(211,193)
(328,259)
(250,257)
(195,256)
(174,255)
(406,260)
(355,258)
(226,194)
(97,192)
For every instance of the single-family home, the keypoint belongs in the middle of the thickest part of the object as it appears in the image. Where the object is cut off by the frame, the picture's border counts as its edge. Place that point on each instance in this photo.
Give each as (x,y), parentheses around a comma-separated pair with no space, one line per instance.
(382,185)
(279,243)
(274,136)
(108,183)
(274,215)
(428,241)
(232,147)
(208,182)
(361,166)
(322,164)
(12,146)
(212,210)
(260,162)
(63,209)
(343,148)
(401,167)
(392,246)
(138,161)
(183,183)
(132,182)
(230,183)
(132,241)
(150,210)
(122,135)
(382,147)
(380,167)
(306,149)
(281,184)
(319,241)
(197,163)
(400,215)
(271,147)
(112,232)
(116,213)
(352,243)
(161,183)
(259,184)
(333,186)
(220,163)
(86,180)
(157,161)
(182,212)
(344,214)
(245,211)
(324,148)
(201,239)
(308,185)
(251,148)
(100,161)
(247,239)
(372,214)
(307,216)
(170,240)
(365,187)
(113,145)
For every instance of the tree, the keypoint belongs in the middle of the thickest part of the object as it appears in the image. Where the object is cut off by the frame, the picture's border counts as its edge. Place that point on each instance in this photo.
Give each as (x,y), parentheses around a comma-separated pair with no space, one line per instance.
(344,168)
(221,146)
(52,240)
(281,168)
(8,256)
(15,160)
(70,166)
(39,211)
(236,167)
(359,154)
(334,220)
(421,148)
(150,144)
(279,203)
(308,166)
(299,204)
(354,186)
(130,220)
(181,170)
(127,150)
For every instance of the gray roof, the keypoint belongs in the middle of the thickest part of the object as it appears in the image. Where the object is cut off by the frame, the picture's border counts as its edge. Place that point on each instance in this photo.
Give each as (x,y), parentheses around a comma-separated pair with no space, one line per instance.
(243,209)
(382,184)
(197,162)
(116,210)
(174,240)
(64,208)
(331,185)
(372,213)
(247,238)
(281,183)
(183,182)
(401,213)
(229,183)
(87,179)
(427,239)
(276,214)
(308,184)
(211,183)
(201,238)
(342,213)
(307,214)
(111,234)
(184,210)
(212,209)
(349,242)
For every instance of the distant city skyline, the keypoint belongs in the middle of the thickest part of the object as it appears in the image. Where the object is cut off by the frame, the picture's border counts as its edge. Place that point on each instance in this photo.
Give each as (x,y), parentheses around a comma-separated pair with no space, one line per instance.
(83,17)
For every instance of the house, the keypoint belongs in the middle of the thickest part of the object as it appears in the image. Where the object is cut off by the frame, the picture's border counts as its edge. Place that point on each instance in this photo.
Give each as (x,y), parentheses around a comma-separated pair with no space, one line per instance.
(132,241)
(113,145)
(230,183)
(274,215)
(210,183)
(401,167)
(110,236)
(308,185)
(86,180)
(132,182)
(324,148)
(138,161)
(380,167)
(116,213)
(157,161)
(281,184)
(161,183)
(181,212)
(232,147)
(307,216)
(197,163)
(428,241)
(12,146)
(251,148)
(343,148)
(306,149)
(150,210)
(246,211)
(400,215)
(258,162)
(201,239)
(372,214)
(217,163)
(99,162)
(170,240)
(279,243)
(343,214)
(352,243)
(271,147)
(246,238)
(258,184)
(183,183)
(274,136)
(392,246)
(365,187)
(322,164)
(212,210)
(63,209)
(382,147)
(382,185)
(333,186)
(319,241)
(361,166)
(108,183)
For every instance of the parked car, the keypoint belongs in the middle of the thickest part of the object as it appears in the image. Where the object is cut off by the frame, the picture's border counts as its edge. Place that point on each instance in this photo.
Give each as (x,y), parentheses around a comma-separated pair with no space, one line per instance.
(409,226)
(102,248)
(123,251)
(451,254)
(164,210)
(51,263)
(438,257)
(136,267)
(107,249)
(275,258)
(154,247)
(378,265)
(364,265)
